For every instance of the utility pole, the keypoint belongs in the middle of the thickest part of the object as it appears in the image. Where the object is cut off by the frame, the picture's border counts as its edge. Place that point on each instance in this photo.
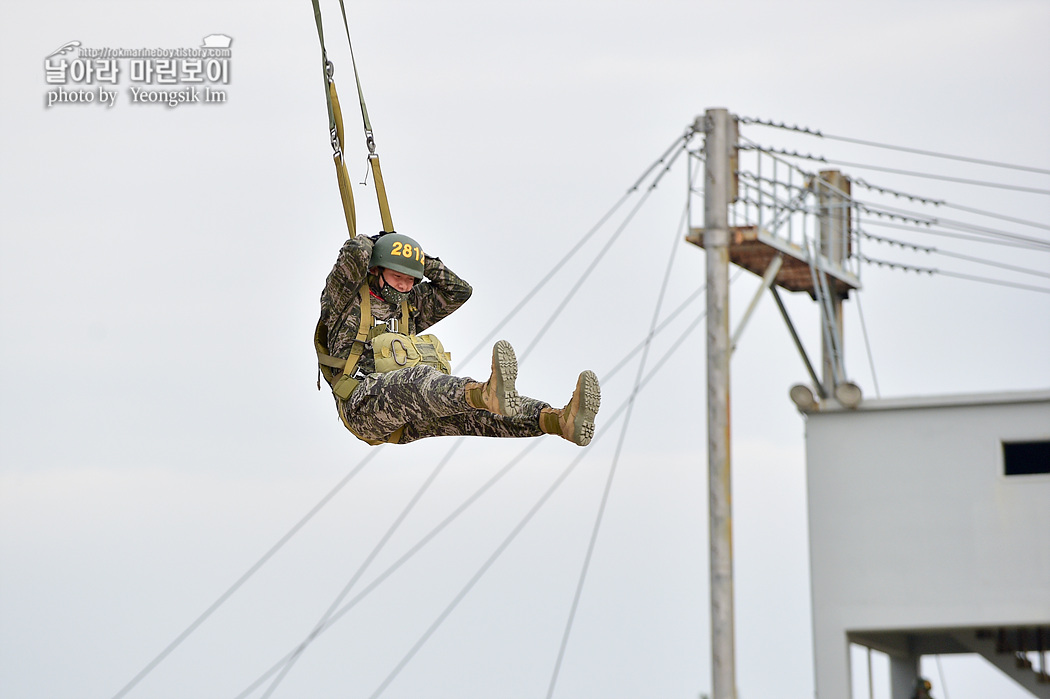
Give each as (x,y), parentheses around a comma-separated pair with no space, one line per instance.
(833,202)
(717,182)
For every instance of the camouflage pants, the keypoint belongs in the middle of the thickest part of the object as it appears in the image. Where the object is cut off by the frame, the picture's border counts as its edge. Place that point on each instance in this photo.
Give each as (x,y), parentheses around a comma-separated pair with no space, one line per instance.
(429,404)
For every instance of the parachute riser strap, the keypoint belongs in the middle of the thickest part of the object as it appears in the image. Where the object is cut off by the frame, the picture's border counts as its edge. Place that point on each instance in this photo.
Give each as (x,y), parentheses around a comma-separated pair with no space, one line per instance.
(346,194)
(335,129)
(360,93)
(324,63)
(384,205)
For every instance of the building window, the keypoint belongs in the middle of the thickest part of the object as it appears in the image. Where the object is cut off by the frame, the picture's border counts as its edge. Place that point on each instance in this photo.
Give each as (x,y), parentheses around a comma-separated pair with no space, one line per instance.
(1026,458)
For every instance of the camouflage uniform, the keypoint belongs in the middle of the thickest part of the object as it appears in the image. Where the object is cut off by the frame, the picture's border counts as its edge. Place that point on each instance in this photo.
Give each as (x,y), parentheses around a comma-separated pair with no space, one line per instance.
(427,402)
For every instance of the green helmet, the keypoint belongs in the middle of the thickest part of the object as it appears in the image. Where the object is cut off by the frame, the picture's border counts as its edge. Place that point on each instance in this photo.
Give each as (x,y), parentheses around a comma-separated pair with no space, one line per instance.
(399,253)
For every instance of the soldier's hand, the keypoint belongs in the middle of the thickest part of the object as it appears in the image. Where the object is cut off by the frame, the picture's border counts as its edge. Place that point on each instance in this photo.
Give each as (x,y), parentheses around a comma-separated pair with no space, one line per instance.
(379,235)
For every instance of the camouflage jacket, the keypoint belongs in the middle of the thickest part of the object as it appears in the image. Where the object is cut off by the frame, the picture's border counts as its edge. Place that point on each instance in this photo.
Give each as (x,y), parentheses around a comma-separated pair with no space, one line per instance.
(428,302)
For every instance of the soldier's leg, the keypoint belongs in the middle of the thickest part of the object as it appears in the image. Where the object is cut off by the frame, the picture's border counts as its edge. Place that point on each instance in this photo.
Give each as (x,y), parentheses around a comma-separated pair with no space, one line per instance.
(382,403)
(429,403)
(480,423)
(574,422)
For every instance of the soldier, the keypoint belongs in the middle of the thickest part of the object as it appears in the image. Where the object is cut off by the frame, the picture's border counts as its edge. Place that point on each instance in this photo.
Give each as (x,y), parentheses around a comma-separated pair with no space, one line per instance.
(392,384)
(922,689)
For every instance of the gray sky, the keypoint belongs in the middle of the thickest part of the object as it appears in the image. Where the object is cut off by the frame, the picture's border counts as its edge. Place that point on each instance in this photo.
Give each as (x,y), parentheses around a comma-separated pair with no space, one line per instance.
(160,275)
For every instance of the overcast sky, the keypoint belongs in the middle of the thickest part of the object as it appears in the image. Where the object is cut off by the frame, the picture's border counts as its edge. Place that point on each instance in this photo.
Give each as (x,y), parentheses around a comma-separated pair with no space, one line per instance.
(159,276)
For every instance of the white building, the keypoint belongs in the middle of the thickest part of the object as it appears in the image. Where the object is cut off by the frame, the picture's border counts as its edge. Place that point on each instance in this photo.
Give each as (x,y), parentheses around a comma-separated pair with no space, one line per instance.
(929,525)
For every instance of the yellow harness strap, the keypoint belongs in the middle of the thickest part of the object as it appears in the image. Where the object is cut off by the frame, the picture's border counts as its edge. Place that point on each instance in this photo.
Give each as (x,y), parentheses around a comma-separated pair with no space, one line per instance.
(346,192)
(344,384)
(384,206)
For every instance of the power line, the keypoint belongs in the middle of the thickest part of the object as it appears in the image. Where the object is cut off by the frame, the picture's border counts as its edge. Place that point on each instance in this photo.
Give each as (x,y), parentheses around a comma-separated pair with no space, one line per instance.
(906,214)
(931,271)
(896,194)
(1001,217)
(897,171)
(905,149)
(934,154)
(940,202)
(945,178)
(956,236)
(956,255)
(887,191)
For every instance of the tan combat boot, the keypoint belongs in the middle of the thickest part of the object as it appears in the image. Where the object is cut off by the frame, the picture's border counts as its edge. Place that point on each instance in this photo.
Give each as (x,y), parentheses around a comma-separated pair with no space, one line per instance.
(497,395)
(575,422)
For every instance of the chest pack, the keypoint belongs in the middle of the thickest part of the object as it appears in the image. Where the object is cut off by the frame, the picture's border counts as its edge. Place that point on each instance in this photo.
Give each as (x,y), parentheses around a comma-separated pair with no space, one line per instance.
(391,349)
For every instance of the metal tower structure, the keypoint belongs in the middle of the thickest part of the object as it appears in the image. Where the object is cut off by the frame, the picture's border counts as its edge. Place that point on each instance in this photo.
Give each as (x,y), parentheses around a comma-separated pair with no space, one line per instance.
(799,231)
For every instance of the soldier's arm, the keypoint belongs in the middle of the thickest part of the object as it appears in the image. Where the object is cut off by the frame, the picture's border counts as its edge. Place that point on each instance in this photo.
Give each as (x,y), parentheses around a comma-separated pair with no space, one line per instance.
(351,267)
(340,290)
(441,295)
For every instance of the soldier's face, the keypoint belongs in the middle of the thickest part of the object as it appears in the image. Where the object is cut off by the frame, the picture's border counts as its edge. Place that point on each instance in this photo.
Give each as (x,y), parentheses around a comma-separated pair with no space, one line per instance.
(401,282)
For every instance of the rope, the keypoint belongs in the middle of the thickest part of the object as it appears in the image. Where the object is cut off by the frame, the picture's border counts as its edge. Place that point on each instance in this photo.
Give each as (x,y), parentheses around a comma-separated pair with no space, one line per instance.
(597,258)
(616,458)
(867,346)
(244,578)
(324,64)
(940,673)
(360,93)
(332,617)
(466,504)
(528,516)
(484,343)
(477,576)
(394,567)
(363,567)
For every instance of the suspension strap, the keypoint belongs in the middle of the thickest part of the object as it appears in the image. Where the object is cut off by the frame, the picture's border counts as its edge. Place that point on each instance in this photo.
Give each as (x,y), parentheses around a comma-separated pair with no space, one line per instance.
(335,129)
(335,124)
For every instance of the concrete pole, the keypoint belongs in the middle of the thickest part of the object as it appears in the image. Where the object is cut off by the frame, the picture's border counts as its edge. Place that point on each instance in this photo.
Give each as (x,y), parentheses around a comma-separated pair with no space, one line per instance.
(834,219)
(717,179)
